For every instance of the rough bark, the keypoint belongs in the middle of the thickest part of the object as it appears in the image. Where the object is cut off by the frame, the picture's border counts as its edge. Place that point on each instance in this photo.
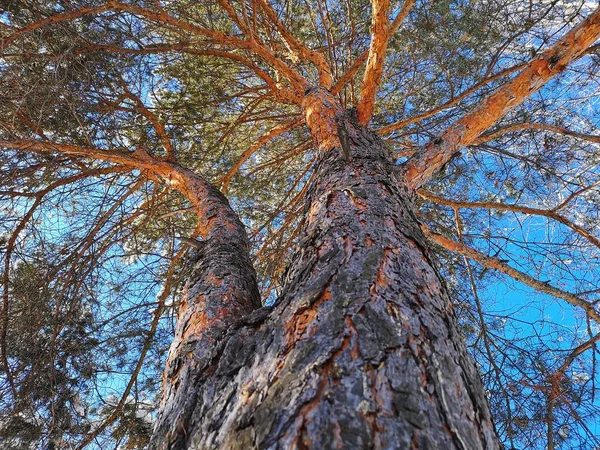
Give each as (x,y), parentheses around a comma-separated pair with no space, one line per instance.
(222,288)
(361,350)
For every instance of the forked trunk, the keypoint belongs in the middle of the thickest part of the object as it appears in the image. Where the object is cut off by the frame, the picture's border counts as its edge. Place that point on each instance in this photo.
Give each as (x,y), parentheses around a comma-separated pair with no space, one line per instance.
(362,349)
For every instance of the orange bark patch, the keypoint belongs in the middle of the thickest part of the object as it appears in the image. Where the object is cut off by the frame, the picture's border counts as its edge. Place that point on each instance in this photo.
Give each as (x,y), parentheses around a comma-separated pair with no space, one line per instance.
(298,325)
(382,281)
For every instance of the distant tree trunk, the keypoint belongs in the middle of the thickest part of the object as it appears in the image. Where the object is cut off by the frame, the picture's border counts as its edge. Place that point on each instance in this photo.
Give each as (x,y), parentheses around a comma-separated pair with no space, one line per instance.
(362,349)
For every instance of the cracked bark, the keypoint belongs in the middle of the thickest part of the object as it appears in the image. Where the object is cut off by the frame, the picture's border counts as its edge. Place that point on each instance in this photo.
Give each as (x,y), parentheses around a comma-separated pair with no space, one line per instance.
(362,349)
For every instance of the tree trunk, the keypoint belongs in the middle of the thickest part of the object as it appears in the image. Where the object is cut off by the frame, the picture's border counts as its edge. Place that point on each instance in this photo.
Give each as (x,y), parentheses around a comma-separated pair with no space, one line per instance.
(362,349)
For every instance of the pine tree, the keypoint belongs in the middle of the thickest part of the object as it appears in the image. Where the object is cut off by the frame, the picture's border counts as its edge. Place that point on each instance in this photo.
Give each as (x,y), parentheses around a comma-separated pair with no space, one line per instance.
(325,195)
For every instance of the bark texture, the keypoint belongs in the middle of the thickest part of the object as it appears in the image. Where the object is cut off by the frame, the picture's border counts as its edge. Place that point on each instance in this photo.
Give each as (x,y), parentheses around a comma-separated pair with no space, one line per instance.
(362,349)
(222,288)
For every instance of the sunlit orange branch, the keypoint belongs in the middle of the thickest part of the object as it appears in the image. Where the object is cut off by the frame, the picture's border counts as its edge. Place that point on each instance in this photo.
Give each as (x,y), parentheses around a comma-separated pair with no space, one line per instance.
(122,157)
(70,15)
(297,80)
(379,41)
(350,72)
(577,351)
(281,93)
(494,263)
(159,128)
(452,102)
(183,180)
(360,60)
(421,167)
(226,5)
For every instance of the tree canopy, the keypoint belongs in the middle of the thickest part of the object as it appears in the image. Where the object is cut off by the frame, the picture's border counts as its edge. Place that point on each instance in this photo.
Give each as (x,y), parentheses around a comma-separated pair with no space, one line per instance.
(111,108)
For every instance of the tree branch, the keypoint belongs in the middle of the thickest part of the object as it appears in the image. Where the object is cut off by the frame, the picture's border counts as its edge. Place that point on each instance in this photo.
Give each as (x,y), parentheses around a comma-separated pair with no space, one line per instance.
(494,263)
(550,213)
(453,101)
(140,362)
(298,81)
(8,253)
(314,56)
(379,41)
(358,62)
(534,126)
(425,163)
(70,15)
(287,126)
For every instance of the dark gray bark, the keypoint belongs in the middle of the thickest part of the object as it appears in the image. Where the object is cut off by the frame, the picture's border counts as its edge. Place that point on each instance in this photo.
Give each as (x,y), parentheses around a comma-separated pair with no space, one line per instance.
(362,349)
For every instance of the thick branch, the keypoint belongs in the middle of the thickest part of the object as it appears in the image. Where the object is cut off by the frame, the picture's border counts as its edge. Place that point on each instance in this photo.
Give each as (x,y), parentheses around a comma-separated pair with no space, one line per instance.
(424,164)
(224,287)
(316,57)
(358,62)
(453,101)
(122,157)
(374,69)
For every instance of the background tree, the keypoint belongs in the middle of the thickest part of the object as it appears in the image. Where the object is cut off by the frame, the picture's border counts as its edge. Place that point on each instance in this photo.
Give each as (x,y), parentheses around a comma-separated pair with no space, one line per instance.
(117,116)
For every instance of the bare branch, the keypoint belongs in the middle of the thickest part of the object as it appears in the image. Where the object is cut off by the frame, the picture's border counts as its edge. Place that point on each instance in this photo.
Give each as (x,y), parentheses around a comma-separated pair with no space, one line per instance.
(290,125)
(10,245)
(140,362)
(534,126)
(551,213)
(494,263)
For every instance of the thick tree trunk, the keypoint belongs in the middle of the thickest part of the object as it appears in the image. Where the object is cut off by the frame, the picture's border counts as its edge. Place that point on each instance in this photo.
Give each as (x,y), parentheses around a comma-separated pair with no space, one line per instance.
(362,349)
